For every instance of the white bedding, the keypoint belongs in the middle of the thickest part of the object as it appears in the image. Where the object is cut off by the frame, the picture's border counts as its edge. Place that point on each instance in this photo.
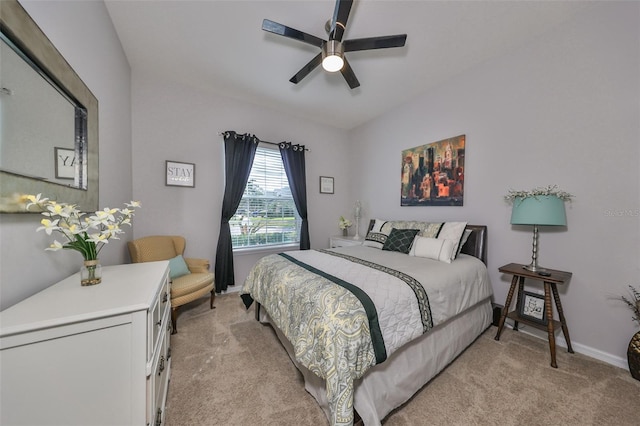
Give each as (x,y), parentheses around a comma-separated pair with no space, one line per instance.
(387,386)
(446,289)
(452,287)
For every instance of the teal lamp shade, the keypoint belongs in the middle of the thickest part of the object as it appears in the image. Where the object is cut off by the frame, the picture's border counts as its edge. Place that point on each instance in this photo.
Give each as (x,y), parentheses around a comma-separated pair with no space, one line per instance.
(539,210)
(545,210)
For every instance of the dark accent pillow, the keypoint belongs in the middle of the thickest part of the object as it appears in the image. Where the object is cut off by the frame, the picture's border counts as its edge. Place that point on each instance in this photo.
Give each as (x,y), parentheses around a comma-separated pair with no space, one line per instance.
(400,240)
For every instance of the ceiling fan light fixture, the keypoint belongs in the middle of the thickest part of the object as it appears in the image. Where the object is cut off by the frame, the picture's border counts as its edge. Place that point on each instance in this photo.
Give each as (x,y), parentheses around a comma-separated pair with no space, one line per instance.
(332,53)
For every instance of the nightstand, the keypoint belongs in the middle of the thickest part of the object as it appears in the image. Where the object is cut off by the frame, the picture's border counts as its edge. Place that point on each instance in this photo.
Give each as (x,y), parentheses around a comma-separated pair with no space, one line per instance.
(342,241)
(545,321)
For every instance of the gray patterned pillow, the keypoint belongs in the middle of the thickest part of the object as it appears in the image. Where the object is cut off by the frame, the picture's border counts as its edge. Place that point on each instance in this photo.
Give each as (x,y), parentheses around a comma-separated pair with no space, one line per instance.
(400,240)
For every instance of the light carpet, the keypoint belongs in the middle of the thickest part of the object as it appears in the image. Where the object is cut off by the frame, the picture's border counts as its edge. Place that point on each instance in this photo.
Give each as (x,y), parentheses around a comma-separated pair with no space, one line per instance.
(228,369)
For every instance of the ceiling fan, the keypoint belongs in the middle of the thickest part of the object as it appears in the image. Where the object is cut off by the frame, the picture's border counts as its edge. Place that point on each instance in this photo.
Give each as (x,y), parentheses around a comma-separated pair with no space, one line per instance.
(332,55)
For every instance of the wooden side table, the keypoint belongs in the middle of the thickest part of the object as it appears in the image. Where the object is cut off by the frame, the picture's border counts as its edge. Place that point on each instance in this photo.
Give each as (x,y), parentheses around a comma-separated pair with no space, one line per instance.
(550,286)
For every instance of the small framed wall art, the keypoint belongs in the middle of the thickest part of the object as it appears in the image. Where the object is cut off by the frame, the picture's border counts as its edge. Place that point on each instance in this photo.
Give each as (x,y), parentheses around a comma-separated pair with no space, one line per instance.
(65,162)
(326,185)
(532,307)
(180,174)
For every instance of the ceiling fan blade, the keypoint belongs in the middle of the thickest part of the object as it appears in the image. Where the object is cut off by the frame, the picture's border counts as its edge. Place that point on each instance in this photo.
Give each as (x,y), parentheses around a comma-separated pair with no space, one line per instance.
(283,30)
(349,75)
(340,17)
(369,43)
(310,66)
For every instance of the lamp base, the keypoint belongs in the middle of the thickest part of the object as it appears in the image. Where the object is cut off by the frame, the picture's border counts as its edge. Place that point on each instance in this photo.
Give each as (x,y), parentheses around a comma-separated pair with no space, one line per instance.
(533,266)
(537,269)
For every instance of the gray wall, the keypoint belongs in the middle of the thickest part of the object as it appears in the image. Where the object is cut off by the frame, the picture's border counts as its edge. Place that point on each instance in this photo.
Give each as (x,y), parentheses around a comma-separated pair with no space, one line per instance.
(563,110)
(180,123)
(84,35)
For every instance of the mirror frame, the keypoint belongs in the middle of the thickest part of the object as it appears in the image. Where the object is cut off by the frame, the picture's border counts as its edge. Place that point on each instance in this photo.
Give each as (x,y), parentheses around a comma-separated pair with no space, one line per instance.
(15,20)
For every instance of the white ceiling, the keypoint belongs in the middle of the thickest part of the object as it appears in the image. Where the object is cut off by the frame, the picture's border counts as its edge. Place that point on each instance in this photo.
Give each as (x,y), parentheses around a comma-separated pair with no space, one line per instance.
(219,46)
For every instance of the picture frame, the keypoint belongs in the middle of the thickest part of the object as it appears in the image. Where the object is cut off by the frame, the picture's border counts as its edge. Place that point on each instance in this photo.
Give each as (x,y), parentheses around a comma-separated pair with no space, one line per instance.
(326,185)
(532,307)
(433,174)
(65,162)
(178,173)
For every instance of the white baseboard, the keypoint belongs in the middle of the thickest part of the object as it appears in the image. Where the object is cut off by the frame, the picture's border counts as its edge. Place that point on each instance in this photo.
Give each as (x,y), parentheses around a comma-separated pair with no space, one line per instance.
(577,347)
(232,289)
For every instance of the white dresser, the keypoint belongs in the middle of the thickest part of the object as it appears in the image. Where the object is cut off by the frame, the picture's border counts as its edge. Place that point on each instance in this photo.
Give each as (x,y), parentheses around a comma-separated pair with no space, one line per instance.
(73,355)
(342,241)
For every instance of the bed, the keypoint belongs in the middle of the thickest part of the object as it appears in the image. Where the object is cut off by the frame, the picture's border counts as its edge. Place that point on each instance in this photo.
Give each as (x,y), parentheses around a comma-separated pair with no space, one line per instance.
(368,327)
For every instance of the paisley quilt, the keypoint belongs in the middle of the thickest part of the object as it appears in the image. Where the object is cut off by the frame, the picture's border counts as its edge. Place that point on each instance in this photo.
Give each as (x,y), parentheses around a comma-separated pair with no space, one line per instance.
(345,310)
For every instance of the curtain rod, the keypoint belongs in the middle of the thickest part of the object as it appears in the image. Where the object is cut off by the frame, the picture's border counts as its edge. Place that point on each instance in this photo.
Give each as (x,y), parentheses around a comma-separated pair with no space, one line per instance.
(268,143)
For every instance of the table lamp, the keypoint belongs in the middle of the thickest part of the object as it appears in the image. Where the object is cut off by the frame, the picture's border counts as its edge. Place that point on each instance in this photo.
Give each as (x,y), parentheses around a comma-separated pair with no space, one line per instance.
(538,210)
(356,214)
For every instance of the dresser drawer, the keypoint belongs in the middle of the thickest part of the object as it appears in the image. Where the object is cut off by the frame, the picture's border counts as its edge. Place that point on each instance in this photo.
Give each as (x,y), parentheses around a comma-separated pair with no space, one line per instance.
(158,380)
(160,306)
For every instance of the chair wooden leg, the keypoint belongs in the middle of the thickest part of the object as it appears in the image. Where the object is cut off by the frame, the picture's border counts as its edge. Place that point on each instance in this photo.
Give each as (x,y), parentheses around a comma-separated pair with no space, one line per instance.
(174,320)
(213,296)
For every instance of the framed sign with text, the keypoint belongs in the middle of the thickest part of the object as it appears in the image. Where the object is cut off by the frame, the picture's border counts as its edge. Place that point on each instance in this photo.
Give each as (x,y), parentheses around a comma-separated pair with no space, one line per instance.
(532,307)
(180,174)
(65,163)
(326,185)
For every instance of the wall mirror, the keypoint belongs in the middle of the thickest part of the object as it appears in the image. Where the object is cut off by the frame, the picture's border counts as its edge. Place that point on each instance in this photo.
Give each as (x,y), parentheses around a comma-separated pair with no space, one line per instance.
(48,119)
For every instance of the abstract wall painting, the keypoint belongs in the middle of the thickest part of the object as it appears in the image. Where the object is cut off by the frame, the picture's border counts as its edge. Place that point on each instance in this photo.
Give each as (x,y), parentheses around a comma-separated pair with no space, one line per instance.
(433,174)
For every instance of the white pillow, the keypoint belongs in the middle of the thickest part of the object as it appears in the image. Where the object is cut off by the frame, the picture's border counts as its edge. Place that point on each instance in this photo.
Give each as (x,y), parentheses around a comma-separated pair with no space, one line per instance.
(432,248)
(377,226)
(452,231)
(376,238)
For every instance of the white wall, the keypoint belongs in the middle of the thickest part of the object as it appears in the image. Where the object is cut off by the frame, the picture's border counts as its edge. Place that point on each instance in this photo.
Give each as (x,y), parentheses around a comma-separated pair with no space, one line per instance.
(84,35)
(180,123)
(562,110)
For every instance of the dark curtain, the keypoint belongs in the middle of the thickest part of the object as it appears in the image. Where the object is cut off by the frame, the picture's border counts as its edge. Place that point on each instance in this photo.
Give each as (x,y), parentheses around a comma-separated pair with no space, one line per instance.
(239,151)
(294,166)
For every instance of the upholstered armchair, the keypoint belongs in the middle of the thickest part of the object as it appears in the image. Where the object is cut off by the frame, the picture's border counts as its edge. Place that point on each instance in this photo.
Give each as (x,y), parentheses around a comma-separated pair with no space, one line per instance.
(197,280)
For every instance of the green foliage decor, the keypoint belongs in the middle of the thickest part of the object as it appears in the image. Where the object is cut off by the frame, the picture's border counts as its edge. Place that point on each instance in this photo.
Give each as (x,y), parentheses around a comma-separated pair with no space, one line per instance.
(633,301)
(551,190)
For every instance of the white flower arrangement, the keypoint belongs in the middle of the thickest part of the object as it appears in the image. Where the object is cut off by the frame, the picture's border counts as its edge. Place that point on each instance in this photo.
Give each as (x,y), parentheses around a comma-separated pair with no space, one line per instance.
(344,223)
(551,190)
(85,234)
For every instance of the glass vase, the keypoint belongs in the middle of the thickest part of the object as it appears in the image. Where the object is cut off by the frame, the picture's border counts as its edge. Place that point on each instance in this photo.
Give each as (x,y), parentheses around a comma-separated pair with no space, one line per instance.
(345,232)
(90,273)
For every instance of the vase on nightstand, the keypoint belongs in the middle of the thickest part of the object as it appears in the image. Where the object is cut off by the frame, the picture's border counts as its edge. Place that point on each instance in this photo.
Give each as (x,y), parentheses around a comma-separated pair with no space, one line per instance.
(345,232)
(90,273)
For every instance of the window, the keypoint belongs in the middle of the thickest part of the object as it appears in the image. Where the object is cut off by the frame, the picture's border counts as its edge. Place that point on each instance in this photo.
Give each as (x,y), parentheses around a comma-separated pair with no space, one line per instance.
(267,214)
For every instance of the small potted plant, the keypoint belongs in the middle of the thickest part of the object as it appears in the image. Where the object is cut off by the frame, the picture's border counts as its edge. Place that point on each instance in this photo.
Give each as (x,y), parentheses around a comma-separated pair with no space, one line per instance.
(633,353)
